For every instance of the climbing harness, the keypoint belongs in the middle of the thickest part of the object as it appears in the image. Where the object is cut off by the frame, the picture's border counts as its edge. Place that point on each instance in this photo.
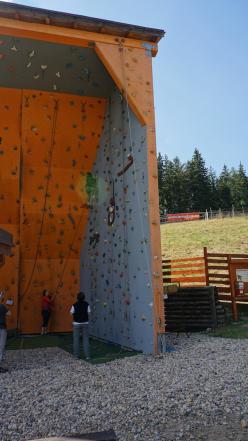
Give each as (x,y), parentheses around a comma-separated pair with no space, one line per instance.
(112,207)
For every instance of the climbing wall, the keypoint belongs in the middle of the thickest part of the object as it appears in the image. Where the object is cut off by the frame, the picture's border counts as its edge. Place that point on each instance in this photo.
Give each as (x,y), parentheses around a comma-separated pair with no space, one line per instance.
(115,261)
(10,110)
(78,172)
(59,136)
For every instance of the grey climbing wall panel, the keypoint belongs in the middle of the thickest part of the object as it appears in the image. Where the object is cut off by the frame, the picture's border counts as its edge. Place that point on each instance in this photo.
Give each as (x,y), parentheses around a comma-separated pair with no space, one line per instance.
(115,259)
(33,64)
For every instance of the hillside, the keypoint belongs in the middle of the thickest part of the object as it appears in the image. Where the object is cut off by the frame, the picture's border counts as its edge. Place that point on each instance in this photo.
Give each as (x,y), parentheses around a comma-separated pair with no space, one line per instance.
(220,235)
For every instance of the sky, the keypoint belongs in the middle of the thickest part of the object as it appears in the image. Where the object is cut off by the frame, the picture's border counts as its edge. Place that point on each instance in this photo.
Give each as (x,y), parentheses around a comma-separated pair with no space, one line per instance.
(200,72)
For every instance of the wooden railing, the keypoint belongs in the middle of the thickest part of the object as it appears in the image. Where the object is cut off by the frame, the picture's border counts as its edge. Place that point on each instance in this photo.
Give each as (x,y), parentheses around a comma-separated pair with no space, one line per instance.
(185,271)
(211,269)
(217,267)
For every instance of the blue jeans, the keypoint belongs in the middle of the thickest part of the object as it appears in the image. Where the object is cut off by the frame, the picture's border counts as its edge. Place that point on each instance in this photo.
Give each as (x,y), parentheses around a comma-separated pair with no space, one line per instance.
(78,331)
(3,337)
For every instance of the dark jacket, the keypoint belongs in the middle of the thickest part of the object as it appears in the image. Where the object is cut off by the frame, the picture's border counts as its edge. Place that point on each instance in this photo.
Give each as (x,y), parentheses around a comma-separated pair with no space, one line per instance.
(81,311)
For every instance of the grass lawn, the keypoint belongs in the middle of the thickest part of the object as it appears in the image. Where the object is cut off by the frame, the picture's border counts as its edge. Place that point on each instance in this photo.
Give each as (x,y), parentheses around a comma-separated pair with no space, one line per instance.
(187,239)
(233,330)
(101,352)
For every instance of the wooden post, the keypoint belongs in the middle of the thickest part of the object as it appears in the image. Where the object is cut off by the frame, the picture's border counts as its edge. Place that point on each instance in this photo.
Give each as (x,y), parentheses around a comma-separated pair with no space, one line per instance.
(232,285)
(205,252)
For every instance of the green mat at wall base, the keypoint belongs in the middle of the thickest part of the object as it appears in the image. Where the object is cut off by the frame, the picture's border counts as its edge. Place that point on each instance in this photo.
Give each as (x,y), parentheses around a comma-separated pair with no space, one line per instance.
(101,352)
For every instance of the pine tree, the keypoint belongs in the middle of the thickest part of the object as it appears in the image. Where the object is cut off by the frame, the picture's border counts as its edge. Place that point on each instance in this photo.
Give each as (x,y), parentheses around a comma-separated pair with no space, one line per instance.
(224,190)
(194,187)
(179,187)
(161,179)
(198,183)
(239,188)
(213,197)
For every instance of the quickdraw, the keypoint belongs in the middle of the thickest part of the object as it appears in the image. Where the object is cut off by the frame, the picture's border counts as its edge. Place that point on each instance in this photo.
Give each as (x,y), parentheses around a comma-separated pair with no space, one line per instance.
(94,239)
(127,166)
(111,208)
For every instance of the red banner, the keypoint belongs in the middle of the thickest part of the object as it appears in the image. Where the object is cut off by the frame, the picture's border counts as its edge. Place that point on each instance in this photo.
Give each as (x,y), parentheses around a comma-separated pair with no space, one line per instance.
(182,217)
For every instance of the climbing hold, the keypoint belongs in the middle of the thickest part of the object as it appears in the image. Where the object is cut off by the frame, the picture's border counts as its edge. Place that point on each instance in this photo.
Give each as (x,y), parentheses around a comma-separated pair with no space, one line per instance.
(71,218)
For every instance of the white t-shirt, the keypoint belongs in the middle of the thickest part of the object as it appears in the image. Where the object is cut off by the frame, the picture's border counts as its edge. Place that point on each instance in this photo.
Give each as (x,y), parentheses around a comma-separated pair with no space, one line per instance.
(72,311)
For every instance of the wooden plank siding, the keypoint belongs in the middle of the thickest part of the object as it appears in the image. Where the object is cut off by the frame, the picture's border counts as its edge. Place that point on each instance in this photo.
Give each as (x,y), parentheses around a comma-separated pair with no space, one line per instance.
(211,269)
(184,271)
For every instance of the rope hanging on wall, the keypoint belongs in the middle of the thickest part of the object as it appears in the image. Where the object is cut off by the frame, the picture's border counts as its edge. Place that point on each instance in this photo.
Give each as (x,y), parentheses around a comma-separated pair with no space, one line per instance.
(51,150)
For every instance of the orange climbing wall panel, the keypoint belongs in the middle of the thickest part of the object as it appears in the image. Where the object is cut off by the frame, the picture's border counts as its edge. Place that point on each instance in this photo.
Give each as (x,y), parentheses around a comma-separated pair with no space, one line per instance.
(59,136)
(10,106)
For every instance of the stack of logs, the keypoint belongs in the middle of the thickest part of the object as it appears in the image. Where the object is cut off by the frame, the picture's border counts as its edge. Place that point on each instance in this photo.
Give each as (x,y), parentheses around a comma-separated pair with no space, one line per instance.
(193,309)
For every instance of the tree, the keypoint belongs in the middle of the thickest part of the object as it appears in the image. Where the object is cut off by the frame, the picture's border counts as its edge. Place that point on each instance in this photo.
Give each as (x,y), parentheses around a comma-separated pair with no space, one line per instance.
(194,187)
(213,196)
(223,189)
(239,187)
(198,183)
(161,179)
(175,185)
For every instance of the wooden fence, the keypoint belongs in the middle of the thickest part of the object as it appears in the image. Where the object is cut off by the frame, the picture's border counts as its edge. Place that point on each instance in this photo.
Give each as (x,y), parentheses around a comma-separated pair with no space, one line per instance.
(211,269)
(189,270)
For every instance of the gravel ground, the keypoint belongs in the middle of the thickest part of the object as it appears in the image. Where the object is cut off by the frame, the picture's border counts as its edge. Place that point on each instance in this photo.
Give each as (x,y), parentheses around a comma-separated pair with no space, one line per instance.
(198,392)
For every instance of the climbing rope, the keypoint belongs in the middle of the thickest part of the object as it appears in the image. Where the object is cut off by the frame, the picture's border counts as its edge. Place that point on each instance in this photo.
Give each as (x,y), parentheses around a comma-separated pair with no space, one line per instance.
(54,123)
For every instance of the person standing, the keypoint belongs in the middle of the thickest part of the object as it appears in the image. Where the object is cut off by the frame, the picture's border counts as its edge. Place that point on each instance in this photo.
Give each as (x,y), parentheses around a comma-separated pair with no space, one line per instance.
(80,312)
(4,312)
(47,306)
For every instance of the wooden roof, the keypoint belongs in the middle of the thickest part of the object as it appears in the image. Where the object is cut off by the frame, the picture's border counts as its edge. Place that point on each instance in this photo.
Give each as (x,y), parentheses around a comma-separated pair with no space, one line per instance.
(66,20)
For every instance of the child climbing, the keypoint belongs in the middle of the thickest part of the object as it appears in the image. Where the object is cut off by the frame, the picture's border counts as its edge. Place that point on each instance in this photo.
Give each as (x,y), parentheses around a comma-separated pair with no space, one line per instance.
(47,307)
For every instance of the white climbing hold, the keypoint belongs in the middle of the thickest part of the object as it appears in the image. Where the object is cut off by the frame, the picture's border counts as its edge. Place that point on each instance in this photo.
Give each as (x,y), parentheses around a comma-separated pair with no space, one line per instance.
(44,67)
(36,77)
(29,64)
(31,54)
(58,75)
(14,48)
